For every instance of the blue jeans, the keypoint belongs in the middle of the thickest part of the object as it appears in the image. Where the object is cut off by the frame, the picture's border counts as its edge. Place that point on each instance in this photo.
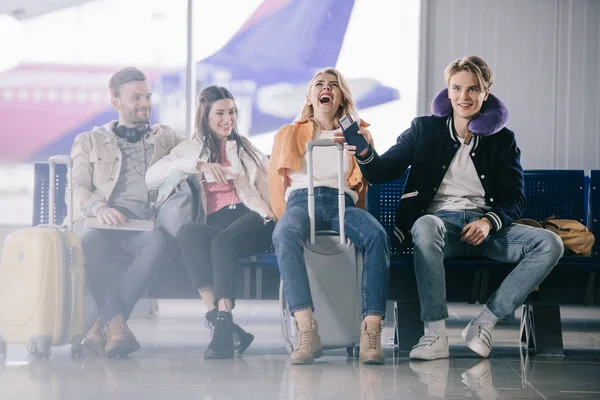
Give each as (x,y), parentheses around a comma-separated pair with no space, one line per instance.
(113,292)
(437,237)
(363,230)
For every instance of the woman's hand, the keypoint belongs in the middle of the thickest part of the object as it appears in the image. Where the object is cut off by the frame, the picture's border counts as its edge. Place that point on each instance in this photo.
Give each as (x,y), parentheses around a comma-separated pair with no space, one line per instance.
(217,170)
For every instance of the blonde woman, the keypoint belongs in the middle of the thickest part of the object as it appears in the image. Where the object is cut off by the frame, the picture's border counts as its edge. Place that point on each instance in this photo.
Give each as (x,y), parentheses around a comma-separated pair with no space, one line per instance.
(328,99)
(238,222)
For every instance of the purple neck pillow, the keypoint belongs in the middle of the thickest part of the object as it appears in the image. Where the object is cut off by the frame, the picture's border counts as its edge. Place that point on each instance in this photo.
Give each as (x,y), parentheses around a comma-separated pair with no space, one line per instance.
(491,119)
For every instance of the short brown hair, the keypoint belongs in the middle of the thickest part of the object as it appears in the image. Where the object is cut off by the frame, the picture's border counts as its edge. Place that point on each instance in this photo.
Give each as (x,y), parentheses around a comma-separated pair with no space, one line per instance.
(123,76)
(474,65)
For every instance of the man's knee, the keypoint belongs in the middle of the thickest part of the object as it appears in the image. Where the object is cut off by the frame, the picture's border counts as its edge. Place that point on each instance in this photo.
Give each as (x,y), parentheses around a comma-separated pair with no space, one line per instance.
(94,244)
(150,253)
(152,242)
(92,236)
(426,229)
(550,245)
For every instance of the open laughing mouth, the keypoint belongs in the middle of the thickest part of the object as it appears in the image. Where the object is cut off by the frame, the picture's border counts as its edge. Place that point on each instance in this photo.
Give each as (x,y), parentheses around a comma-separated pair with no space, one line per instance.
(326,98)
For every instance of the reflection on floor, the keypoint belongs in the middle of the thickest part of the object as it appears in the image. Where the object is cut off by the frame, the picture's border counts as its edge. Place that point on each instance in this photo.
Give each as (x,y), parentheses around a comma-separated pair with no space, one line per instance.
(170,365)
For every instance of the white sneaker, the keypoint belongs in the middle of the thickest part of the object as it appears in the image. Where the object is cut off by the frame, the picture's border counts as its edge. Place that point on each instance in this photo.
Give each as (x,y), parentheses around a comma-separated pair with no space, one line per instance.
(431,346)
(478,338)
(434,374)
(479,379)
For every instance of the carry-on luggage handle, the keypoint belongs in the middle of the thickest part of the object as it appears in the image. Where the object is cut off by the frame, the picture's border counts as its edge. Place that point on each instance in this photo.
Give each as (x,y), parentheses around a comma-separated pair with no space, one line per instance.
(311,189)
(52,161)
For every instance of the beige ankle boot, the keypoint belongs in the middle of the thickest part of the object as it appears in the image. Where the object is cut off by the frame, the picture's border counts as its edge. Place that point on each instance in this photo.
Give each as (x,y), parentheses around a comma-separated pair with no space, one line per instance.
(309,344)
(371,351)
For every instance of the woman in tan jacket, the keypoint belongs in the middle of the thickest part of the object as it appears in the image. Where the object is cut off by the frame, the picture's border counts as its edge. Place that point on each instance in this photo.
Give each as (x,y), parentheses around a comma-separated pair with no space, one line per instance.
(328,99)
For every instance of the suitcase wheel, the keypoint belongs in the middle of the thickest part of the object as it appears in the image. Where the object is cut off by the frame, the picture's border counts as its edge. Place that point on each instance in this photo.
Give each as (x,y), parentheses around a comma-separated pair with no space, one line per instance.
(42,352)
(45,353)
(32,348)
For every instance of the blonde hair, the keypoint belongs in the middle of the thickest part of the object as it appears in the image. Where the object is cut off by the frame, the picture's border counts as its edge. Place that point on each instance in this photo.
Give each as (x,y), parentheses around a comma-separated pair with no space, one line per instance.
(476,66)
(346,105)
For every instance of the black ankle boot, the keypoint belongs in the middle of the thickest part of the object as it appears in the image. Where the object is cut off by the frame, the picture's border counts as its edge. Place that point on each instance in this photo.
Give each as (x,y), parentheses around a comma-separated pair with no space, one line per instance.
(210,318)
(241,338)
(221,343)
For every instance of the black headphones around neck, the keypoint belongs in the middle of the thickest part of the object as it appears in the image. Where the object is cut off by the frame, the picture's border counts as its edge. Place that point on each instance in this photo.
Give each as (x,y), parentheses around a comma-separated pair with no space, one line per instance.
(132,135)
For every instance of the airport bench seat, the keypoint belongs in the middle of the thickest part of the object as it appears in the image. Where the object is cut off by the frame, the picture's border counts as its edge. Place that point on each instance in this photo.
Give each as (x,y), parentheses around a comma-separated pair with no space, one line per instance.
(563,193)
(172,281)
(473,279)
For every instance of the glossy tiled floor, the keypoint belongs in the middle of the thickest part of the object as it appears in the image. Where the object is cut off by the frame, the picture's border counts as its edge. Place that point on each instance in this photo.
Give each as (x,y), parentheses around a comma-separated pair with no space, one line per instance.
(170,365)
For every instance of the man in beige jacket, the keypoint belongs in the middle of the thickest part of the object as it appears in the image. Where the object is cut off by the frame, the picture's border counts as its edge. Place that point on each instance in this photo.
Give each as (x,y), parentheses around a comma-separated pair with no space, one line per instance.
(109,165)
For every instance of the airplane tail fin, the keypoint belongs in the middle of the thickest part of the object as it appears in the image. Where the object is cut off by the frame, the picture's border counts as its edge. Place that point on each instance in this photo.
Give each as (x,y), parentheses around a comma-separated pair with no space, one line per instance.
(299,33)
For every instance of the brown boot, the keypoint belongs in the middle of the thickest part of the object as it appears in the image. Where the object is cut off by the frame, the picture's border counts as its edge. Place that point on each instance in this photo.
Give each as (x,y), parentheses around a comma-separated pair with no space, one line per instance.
(371,351)
(120,340)
(309,345)
(95,340)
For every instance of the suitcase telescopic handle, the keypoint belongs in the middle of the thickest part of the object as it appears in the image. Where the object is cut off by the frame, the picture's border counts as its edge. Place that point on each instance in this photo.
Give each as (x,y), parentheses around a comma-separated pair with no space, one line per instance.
(311,189)
(52,161)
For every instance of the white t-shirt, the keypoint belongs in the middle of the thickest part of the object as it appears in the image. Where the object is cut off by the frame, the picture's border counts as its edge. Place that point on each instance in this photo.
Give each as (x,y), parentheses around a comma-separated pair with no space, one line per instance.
(461,188)
(325,167)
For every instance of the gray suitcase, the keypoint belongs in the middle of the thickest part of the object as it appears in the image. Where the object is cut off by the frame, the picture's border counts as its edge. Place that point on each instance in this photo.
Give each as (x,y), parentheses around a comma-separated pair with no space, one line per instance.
(334,267)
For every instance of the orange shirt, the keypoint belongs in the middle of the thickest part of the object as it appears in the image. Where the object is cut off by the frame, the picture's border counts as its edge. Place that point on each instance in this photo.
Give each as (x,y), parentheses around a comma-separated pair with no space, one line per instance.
(288,151)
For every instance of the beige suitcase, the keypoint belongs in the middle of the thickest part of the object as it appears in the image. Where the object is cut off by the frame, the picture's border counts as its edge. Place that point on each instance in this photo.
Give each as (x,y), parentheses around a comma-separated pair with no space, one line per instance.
(41,282)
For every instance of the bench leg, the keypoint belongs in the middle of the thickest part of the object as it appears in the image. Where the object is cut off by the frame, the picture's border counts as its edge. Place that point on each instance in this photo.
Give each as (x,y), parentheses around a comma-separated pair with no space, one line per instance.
(485,282)
(408,327)
(526,329)
(247,282)
(154,307)
(589,290)
(259,282)
(476,288)
(541,329)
